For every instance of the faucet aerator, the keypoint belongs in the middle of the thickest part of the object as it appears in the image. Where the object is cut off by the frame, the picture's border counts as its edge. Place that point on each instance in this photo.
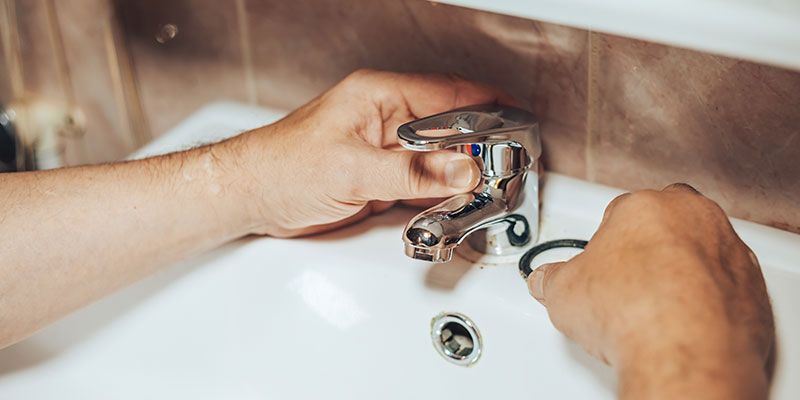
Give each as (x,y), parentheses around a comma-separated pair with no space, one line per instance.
(433,255)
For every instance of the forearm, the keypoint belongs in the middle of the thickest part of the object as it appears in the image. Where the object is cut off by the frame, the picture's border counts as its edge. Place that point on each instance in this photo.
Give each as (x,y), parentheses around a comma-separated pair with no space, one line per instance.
(70,236)
(682,370)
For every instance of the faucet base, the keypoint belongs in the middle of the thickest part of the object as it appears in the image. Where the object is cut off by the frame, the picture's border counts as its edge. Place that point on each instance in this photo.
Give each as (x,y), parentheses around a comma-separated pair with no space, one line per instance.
(510,238)
(502,243)
(468,253)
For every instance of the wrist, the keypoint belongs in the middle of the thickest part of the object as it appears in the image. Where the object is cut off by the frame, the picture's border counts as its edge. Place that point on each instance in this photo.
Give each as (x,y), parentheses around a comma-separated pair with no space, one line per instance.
(709,365)
(213,177)
(243,165)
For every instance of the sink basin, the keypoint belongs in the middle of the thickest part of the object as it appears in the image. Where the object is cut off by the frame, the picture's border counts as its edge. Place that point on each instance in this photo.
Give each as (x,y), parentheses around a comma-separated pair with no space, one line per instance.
(343,315)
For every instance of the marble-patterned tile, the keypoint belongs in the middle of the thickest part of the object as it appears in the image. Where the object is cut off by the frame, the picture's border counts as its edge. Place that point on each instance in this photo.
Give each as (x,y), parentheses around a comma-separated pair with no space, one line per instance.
(300,48)
(185,53)
(660,114)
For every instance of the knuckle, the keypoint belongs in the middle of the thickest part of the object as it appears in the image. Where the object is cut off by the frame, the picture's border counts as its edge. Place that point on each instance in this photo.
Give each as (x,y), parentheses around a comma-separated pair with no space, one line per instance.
(361,73)
(712,206)
(681,187)
(368,75)
(367,83)
(617,201)
(643,199)
(358,78)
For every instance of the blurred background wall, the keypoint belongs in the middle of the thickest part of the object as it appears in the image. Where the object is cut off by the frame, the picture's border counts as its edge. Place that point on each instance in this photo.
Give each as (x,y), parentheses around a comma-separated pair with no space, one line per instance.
(618,111)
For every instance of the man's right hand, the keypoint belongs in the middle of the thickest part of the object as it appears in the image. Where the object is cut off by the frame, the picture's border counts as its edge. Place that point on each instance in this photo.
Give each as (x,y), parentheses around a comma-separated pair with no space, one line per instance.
(669,295)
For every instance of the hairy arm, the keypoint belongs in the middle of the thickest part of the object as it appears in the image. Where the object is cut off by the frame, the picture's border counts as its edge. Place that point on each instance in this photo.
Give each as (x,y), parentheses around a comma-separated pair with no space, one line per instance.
(670,296)
(73,235)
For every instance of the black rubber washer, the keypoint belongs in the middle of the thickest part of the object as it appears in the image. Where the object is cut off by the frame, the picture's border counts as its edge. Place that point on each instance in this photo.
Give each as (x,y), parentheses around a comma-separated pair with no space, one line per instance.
(525,261)
(523,238)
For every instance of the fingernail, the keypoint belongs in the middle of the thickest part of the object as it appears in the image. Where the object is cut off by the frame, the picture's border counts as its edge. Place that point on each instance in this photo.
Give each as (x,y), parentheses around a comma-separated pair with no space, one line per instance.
(458,174)
(536,285)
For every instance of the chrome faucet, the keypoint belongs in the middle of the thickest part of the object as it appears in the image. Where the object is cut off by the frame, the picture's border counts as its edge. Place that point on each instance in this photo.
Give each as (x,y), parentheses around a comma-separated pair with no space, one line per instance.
(501,216)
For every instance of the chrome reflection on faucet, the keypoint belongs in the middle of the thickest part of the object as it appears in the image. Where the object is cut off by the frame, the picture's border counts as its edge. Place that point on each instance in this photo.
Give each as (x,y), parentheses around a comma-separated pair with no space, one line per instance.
(501,216)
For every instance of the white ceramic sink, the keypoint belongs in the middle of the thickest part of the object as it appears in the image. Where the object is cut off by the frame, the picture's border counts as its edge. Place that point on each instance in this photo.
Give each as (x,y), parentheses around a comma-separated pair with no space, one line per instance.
(343,316)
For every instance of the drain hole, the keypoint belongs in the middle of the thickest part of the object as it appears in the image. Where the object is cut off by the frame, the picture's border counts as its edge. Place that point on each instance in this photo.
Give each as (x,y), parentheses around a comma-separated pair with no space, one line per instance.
(456,338)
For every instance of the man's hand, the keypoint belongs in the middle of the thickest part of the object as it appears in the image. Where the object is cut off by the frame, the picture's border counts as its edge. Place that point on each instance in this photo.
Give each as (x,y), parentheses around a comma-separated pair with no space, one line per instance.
(668,294)
(336,159)
(72,235)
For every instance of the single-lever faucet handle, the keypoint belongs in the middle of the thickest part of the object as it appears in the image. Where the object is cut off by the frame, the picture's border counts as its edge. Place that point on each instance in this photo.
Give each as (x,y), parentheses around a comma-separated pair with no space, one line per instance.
(503,139)
(500,217)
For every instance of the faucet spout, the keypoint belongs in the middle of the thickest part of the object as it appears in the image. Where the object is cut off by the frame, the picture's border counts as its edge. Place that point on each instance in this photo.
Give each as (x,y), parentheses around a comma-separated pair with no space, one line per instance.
(501,219)
(501,216)
(435,233)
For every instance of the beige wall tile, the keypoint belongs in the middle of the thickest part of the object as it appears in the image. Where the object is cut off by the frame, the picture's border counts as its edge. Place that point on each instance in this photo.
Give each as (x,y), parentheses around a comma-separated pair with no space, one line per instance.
(41,74)
(202,63)
(618,111)
(300,48)
(543,65)
(730,128)
(34,53)
(10,59)
(85,27)
(5,74)
(64,60)
(5,79)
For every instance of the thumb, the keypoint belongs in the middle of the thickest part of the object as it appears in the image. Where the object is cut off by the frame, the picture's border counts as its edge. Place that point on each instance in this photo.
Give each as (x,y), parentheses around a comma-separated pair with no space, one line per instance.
(404,175)
(540,278)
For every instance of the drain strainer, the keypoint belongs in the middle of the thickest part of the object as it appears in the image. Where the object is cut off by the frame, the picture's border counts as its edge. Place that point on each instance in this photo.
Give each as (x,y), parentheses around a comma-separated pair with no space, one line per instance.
(456,338)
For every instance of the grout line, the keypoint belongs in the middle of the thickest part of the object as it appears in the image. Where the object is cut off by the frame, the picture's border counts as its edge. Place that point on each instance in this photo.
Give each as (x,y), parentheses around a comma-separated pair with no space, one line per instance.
(590,94)
(247,52)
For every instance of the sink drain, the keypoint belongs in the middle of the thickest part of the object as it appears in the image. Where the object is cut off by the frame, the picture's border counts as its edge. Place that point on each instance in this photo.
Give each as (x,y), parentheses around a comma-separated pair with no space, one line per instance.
(456,338)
